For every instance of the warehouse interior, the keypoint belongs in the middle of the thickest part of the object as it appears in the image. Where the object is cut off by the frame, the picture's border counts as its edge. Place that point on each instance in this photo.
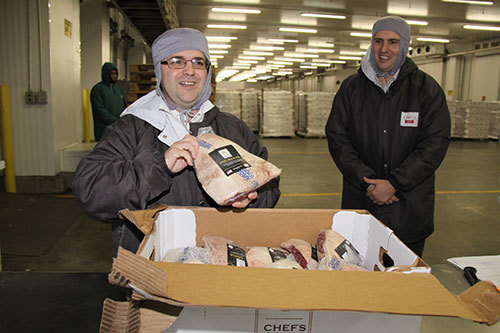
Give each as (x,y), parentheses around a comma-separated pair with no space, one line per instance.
(55,260)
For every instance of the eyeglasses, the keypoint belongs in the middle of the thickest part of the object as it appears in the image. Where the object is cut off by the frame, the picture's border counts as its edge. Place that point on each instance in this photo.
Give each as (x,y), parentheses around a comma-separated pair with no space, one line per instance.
(179,63)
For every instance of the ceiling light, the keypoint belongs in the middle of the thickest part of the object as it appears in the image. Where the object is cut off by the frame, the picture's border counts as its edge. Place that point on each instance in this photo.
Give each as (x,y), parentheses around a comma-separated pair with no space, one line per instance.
(308,73)
(436,40)
(414,22)
(241,66)
(321,65)
(266,48)
(277,62)
(321,50)
(216,57)
(258,53)
(252,80)
(481,27)
(219,46)
(218,51)
(251,58)
(361,34)
(329,61)
(290,59)
(236,10)
(308,67)
(279,40)
(300,55)
(221,38)
(282,73)
(307,31)
(240,1)
(226,26)
(330,16)
(349,58)
(320,44)
(248,61)
(353,53)
(472,2)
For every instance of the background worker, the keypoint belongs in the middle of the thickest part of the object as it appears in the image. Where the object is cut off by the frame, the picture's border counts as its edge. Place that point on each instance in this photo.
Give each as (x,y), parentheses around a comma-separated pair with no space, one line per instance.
(388,132)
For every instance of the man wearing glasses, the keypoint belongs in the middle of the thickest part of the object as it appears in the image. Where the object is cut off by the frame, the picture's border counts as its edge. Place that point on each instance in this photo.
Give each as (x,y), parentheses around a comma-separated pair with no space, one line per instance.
(145,158)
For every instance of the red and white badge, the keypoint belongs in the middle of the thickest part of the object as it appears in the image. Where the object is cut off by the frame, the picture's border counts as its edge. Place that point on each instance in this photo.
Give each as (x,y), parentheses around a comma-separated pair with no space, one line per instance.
(409,119)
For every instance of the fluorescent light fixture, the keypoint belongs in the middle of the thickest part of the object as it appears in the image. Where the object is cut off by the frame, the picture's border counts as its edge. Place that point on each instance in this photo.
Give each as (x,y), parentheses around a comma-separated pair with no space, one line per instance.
(481,27)
(329,61)
(266,48)
(226,26)
(216,57)
(320,44)
(307,31)
(221,38)
(290,59)
(472,2)
(252,80)
(251,58)
(321,65)
(436,40)
(279,40)
(361,34)
(275,66)
(248,61)
(320,50)
(300,55)
(235,10)
(219,46)
(349,58)
(258,53)
(241,66)
(277,62)
(415,22)
(282,73)
(308,73)
(308,67)
(218,52)
(264,77)
(352,53)
(330,16)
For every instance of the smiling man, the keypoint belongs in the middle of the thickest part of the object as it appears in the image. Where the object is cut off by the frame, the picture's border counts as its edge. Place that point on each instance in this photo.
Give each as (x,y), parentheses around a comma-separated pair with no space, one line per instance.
(146,157)
(388,132)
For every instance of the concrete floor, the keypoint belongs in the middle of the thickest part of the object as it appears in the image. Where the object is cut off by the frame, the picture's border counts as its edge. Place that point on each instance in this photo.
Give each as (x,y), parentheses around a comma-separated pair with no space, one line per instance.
(49,233)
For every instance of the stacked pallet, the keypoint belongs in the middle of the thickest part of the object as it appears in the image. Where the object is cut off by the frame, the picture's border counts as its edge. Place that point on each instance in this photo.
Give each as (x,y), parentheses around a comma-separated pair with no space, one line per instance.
(229,101)
(455,130)
(471,120)
(314,109)
(142,81)
(250,108)
(494,131)
(277,114)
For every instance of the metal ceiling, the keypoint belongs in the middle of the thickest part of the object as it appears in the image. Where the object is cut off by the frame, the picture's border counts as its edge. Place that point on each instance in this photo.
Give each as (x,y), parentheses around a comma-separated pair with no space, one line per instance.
(445,20)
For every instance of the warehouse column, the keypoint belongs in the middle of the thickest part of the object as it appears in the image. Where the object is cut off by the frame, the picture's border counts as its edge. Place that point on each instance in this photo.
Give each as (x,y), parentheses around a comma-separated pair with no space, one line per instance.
(6,136)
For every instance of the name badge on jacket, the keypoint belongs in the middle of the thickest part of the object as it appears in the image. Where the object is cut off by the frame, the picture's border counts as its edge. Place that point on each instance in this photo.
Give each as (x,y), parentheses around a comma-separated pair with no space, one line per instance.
(409,119)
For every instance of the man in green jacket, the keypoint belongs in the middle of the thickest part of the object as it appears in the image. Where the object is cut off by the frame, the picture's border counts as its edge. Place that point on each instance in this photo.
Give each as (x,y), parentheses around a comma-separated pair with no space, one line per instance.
(106,99)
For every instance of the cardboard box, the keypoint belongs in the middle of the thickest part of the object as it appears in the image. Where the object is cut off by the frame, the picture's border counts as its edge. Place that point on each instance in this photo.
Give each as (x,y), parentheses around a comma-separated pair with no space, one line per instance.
(212,296)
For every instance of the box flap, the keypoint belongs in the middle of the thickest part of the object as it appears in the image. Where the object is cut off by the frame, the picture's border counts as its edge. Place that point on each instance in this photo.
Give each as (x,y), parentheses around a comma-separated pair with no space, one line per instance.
(119,317)
(484,299)
(142,219)
(211,285)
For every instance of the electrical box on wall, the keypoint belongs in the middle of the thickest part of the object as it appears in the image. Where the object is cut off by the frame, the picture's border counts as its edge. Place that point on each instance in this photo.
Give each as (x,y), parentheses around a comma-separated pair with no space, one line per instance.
(425,50)
(29,97)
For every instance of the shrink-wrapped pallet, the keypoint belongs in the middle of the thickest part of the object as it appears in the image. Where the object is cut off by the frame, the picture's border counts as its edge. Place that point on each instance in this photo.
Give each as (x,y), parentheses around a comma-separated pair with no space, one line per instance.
(229,101)
(314,109)
(250,109)
(494,131)
(277,114)
(476,121)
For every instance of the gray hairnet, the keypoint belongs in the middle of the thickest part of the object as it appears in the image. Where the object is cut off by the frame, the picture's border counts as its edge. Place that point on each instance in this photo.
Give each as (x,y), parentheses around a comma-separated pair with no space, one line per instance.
(176,40)
(400,26)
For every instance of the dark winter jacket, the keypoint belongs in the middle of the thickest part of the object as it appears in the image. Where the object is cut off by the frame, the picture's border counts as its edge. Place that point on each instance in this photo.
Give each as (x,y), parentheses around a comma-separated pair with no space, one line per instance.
(401,136)
(107,101)
(127,169)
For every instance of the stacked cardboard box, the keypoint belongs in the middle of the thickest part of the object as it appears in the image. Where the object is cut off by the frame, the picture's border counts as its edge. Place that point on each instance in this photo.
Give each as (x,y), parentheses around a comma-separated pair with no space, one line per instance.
(277,114)
(250,108)
(142,81)
(314,109)
(229,101)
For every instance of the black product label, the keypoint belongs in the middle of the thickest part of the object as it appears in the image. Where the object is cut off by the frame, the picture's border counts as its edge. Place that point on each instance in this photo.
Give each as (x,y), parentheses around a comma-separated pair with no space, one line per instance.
(228,159)
(276,254)
(236,256)
(348,252)
(314,252)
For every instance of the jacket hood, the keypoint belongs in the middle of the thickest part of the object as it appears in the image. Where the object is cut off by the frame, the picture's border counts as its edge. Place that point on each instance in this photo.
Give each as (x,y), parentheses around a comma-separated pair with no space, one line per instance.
(365,68)
(106,72)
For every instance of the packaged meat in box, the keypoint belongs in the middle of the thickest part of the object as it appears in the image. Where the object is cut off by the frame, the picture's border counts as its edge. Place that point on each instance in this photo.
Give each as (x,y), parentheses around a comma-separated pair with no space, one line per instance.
(213,298)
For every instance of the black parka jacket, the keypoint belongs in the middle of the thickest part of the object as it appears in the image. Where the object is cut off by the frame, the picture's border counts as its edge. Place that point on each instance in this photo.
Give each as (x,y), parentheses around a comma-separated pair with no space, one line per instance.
(369,136)
(127,169)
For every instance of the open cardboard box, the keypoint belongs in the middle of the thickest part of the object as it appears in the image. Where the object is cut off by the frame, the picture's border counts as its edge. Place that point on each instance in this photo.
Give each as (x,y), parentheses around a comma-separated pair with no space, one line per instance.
(247,299)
